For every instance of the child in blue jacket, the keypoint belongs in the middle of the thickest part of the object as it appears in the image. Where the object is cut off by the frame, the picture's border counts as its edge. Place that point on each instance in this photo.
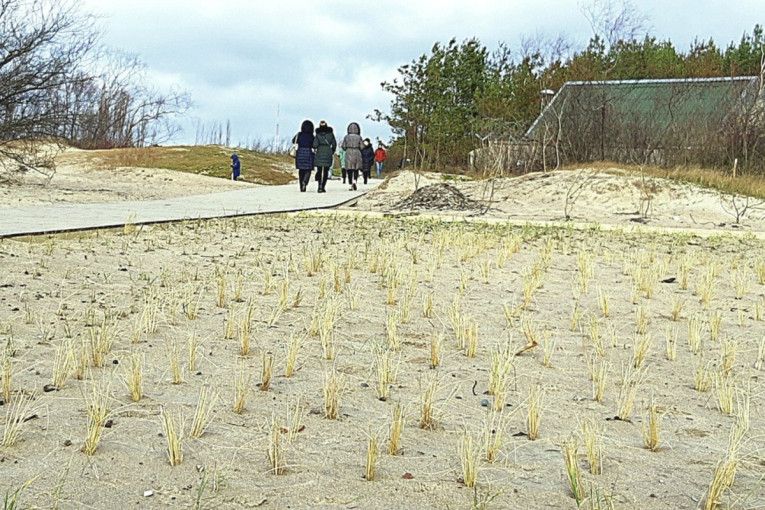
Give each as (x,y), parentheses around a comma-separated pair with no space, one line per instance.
(236,167)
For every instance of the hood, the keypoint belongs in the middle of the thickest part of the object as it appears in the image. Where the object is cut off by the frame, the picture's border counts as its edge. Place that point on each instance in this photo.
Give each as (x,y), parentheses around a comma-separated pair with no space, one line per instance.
(235,157)
(323,129)
(354,129)
(306,127)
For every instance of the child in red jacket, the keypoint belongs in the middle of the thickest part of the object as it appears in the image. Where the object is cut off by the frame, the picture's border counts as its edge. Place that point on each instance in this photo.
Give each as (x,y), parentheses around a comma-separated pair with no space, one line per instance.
(380,157)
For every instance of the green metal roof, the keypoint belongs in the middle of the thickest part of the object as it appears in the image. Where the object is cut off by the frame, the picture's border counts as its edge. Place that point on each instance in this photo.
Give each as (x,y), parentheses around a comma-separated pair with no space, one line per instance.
(668,109)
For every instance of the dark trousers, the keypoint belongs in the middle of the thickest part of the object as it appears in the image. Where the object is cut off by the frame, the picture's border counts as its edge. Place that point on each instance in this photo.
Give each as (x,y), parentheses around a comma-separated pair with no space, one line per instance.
(322,174)
(344,174)
(353,176)
(367,174)
(305,178)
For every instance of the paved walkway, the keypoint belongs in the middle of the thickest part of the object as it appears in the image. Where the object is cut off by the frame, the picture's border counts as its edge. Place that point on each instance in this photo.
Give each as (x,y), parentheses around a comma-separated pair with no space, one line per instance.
(44,219)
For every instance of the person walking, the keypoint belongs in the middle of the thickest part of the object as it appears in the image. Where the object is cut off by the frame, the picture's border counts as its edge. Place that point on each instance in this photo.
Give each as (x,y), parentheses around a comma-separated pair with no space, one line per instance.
(304,159)
(367,158)
(352,144)
(380,156)
(324,144)
(236,167)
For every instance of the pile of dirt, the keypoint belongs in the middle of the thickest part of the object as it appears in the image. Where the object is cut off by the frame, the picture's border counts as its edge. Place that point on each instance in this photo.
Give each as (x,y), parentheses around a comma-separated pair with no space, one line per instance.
(438,197)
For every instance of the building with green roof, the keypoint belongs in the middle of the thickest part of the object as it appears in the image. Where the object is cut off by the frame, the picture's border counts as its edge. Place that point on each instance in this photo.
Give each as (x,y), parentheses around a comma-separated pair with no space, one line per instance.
(709,122)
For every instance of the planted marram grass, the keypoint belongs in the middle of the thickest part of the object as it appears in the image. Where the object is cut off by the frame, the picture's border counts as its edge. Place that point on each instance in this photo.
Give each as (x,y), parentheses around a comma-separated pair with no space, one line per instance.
(313,289)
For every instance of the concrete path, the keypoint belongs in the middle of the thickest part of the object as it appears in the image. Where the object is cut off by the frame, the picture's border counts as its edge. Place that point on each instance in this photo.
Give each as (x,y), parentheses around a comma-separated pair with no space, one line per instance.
(44,219)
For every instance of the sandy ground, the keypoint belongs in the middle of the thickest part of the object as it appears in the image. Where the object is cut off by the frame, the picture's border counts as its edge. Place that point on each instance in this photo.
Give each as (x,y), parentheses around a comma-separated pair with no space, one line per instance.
(589,196)
(77,181)
(151,290)
(586,196)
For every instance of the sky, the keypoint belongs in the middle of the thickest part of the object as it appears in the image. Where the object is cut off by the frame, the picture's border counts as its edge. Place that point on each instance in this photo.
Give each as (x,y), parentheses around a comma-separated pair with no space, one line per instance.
(242,61)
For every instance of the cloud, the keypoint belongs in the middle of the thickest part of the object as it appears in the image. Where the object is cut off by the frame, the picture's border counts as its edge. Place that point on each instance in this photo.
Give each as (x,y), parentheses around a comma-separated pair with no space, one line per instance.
(241,59)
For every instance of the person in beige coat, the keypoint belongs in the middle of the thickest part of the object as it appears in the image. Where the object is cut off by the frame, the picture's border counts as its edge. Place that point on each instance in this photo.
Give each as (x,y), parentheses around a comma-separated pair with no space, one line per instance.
(352,144)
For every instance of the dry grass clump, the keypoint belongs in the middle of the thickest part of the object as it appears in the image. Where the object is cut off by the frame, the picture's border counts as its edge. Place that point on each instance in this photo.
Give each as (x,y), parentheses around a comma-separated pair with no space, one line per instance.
(470,459)
(396,429)
(372,454)
(173,436)
(436,340)
(101,341)
(604,302)
(548,346)
(203,412)
(725,391)
(725,471)
(652,427)
(502,358)
(174,357)
(728,356)
(592,436)
(192,344)
(242,385)
(15,416)
(534,403)
(98,412)
(495,424)
(267,371)
(573,473)
(702,376)
(632,380)
(694,334)
(760,355)
(641,346)
(670,337)
(678,303)
(334,385)
(276,460)
(599,375)
(429,413)
(384,371)
(63,364)
(293,347)
(134,376)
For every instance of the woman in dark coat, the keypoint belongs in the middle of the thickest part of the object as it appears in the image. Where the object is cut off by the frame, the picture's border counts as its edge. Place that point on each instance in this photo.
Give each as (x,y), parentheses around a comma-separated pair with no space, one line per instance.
(304,159)
(352,144)
(325,144)
(367,159)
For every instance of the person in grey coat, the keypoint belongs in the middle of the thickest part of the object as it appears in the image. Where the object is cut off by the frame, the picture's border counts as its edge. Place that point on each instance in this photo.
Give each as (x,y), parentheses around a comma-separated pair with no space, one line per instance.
(353,143)
(324,144)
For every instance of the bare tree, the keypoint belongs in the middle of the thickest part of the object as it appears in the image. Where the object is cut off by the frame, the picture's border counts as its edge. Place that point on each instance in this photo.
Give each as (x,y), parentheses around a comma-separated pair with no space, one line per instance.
(614,20)
(118,109)
(43,45)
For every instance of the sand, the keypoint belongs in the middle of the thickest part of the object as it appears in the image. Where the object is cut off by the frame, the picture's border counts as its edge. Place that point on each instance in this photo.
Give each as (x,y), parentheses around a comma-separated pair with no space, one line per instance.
(363,274)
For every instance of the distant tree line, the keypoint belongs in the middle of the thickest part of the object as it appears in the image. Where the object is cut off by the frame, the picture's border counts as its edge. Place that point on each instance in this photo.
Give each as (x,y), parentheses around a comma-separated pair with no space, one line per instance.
(57,83)
(449,101)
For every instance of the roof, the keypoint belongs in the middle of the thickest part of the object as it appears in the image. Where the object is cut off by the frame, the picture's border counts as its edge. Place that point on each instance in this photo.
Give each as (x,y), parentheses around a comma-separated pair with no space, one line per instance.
(660,106)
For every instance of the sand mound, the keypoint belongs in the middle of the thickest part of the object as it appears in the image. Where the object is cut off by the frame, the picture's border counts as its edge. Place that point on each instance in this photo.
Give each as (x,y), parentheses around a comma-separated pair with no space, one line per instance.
(438,197)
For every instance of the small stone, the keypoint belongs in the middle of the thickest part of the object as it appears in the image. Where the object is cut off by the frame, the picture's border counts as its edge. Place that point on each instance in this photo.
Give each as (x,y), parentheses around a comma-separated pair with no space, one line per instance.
(485,403)
(407,476)
(148,494)
(364,385)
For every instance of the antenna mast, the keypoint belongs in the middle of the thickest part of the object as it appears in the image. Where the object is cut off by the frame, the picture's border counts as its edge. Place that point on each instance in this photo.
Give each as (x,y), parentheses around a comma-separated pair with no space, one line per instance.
(276,138)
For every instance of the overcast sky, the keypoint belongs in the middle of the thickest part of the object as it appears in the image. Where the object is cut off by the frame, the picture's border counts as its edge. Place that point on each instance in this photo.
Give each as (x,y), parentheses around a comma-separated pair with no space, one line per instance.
(242,59)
